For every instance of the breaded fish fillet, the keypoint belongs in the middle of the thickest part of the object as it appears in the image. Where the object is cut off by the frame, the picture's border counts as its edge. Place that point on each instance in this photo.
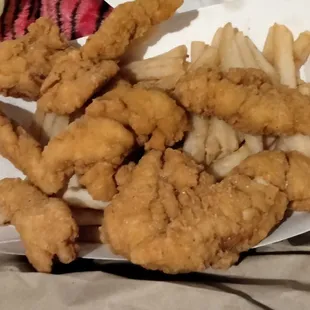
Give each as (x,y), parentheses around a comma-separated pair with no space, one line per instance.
(169,214)
(45,225)
(247,100)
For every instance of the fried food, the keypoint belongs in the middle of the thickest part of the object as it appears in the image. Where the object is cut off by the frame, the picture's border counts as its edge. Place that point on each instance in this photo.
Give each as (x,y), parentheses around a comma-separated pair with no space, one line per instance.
(246,99)
(78,76)
(45,225)
(85,143)
(127,22)
(27,61)
(73,80)
(153,116)
(177,220)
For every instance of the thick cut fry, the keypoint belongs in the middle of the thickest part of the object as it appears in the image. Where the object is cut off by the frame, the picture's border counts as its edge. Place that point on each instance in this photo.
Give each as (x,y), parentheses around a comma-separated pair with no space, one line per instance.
(222,167)
(208,58)
(263,62)
(245,52)
(229,53)
(222,140)
(194,144)
(216,41)
(254,143)
(87,217)
(302,49)
(298,143)
(283,55)
(154,69)
(177,52)
(268,51)
(197,47)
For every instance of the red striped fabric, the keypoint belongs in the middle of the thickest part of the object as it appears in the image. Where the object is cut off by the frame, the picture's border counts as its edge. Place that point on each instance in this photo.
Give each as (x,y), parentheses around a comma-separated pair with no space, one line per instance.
(76,18)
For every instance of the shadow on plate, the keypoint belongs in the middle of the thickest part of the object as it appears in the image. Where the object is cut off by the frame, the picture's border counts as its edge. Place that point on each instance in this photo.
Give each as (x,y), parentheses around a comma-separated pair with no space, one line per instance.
(175,24)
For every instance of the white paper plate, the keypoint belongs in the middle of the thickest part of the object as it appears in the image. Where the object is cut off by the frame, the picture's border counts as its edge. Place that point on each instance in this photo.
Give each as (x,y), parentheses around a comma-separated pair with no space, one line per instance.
(253,17)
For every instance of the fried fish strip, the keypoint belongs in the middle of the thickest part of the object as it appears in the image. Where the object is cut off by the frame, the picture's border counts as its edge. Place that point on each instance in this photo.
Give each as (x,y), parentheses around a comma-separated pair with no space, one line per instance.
(45,225)
(177,220)
(247,100)
(27,61)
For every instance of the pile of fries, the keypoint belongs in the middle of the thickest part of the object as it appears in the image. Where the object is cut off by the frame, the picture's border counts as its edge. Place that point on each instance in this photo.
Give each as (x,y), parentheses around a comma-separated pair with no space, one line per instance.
(211,141)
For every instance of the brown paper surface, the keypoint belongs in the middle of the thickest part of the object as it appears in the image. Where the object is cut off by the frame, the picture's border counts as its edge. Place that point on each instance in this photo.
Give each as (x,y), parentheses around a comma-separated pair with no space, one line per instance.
(275,277)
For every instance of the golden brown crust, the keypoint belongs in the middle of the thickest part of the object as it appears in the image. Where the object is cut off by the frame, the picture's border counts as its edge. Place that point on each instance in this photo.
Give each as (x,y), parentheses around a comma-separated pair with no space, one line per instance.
(45,225)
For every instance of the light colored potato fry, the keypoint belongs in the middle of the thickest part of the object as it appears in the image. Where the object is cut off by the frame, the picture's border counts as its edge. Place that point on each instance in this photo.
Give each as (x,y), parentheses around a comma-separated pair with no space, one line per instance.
(254,143)
(87,217)
(269,142)
(154,69)
(269,46)
(245,52)
(195,141)
(177,52)
(228,50)
(89,234)
(283,55)
(208,58)
(263,62)
(222,167)
(222,140)
(197,47)
(304,89)
(167,83)
(47,125)
(297,142)
(302,49)
(217,38)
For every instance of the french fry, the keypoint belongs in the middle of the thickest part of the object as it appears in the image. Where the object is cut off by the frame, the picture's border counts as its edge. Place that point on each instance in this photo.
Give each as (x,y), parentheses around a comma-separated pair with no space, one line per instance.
(228,50)
(196,139)
(47,125)
(87,217)
(263,62)
(222,140)
(167,83)
(284,56)
(245,52)
(269,142)
(268,47)
(209,58)
(216,41)
(297,142)
(302,49)
(221,167)
(177,52)
(254,143)
(154,69)
(197,47)
(89,234)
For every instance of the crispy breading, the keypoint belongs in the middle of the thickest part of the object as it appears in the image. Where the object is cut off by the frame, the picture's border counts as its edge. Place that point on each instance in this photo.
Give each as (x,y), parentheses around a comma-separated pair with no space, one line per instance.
(177,220)
(153,116)
(45,225)
(24,152)
(86,142)
(127,22)
(73,80)
(27,61)
(246,99)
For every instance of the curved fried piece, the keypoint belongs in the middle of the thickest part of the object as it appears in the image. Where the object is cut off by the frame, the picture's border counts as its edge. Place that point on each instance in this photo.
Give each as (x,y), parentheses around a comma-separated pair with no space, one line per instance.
(24,152)
(87,142)
(153,116)
(177,220)
(45,225)
(73,80)
(27,61)
(289,172)
(127,22)
(246,99)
